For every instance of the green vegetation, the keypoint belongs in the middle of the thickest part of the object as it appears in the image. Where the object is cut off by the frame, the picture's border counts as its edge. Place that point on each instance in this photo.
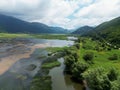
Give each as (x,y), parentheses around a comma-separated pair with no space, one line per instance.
(50,36)
(101,55)
(41,83)
(40,36)
(113,57)
(88,56)
(78,69)
(55,49)
(50,65)
(99,79)
(108,31)
(7,35)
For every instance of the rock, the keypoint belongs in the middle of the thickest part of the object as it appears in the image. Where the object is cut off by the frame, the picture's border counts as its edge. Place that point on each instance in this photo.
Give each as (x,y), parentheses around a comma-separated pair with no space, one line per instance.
(31,67)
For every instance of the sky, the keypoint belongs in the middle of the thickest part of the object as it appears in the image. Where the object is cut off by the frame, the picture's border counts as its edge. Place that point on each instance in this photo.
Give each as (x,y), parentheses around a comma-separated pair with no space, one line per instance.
(69,14)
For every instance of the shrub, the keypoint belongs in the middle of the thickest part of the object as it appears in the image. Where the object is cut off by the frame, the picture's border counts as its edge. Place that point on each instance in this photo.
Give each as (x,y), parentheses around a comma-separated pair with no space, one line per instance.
(109,49)
(98,48)
(67,52)
(69,62)
(78,69)
(78,40)
(97,79)
(77,45)
(113,57)
(112,74)
(115,85)
(88,56)
(75,55)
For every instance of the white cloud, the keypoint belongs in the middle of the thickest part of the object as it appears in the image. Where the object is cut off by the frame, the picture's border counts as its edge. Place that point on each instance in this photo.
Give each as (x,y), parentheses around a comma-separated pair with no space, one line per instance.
(102,8)
(64,13)
(98,12)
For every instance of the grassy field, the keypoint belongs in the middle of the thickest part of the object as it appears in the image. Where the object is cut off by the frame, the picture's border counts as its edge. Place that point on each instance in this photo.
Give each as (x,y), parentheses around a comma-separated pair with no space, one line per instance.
(100,57)
(7,35)
(41,36)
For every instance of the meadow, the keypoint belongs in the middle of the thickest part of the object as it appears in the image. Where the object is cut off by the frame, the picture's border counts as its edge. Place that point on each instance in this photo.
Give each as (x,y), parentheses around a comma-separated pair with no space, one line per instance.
(40,36)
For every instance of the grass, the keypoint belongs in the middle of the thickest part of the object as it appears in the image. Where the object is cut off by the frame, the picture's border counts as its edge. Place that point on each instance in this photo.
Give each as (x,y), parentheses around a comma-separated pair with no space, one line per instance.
(41,83)
(55,49)
(50,36)
(100,57)
(40,36)
(7,35)
(49,65)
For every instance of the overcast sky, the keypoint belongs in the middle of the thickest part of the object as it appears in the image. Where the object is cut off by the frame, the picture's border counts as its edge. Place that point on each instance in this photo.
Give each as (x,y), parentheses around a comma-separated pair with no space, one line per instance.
(64,13)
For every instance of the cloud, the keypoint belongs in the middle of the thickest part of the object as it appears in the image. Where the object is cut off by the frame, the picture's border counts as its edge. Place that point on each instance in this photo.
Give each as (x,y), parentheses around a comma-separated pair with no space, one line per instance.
(64,13)
(99,11)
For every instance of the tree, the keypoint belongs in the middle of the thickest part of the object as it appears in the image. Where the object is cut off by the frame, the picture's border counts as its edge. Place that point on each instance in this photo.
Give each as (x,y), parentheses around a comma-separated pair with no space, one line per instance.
(97,79)
(77,45)
(88,56)
(115,85)
(113,57)
(78,69)
(112,74)
(69,62)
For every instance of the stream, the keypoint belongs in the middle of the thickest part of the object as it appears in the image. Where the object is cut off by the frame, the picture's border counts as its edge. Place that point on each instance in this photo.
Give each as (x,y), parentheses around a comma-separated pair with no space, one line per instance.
(20,60)
(61,81)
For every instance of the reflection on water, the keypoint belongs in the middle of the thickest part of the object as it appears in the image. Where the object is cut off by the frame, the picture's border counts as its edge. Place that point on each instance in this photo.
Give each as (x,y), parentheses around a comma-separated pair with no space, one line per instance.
(60,81)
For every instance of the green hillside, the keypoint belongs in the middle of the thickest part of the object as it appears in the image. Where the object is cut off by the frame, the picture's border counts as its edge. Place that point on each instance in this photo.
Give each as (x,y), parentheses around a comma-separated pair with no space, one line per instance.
(108,31)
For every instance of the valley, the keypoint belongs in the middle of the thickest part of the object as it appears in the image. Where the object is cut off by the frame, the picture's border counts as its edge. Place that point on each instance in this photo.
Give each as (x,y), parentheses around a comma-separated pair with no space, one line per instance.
(35,56)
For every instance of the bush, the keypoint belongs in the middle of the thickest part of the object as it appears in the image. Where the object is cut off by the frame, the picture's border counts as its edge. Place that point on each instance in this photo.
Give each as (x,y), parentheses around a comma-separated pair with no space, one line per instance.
(75,55)
(113,57)
(109,49)
(99,49)
(97,79)
(88,56)
(78,40)
(115,85)
(77,45)
(112,74)
(78,69)
(67,52)
(69,62)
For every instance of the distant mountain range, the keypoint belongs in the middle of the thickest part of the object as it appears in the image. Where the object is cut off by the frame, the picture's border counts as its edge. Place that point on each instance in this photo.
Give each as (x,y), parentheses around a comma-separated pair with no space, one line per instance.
(83,30)
(13,25)
(109,31)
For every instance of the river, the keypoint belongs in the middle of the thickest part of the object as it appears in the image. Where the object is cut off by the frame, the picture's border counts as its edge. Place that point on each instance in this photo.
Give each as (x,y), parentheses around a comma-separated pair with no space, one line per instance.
(19,63)
(62,81)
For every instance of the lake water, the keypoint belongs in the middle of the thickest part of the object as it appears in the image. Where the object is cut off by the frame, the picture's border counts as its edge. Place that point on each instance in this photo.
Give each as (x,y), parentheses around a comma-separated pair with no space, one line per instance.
(18,59)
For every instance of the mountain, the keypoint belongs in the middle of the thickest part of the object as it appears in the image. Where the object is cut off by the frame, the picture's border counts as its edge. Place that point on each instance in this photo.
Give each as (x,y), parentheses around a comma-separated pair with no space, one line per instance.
(13,25)
(57,29)
(109,31)
(83,30)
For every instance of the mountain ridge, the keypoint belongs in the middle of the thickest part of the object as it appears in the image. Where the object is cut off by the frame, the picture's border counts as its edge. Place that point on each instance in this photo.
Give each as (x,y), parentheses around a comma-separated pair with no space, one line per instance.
(82,30)
(14,25)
